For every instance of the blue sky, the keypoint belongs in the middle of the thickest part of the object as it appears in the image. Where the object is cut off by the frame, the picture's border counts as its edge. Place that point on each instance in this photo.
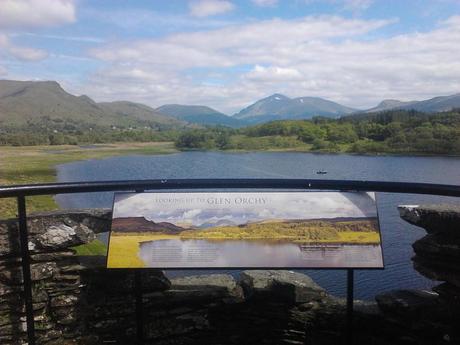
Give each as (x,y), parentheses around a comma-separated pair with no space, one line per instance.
(229,53)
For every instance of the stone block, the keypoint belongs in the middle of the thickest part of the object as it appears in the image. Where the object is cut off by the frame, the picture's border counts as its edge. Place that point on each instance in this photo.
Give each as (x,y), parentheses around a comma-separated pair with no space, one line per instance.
(287,286)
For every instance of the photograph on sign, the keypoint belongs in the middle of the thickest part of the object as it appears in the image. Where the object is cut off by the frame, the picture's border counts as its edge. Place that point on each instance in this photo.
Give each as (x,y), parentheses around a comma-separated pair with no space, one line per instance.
(245,229)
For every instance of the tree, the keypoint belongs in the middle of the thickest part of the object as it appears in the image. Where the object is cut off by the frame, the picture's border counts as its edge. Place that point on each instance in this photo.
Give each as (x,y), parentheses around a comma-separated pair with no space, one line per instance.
(223,140)
(191,140)
(341,134)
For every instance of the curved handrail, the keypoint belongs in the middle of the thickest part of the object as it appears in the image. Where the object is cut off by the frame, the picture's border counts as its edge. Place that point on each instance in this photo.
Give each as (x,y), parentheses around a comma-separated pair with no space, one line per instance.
(21,191)
(158,184)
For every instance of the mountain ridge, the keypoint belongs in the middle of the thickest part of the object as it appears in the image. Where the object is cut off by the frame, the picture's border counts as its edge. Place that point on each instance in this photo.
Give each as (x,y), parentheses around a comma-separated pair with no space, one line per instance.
(25,101)
(431,105)
(198,114)
(141,224)
(281,107)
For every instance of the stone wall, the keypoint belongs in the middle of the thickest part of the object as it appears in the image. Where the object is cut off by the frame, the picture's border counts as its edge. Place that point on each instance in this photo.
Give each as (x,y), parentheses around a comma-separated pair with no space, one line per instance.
(77,301)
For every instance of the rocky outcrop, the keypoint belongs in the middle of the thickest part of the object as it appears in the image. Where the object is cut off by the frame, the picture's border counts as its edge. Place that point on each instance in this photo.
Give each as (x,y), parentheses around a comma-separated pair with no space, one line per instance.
(433,218)
(55,271)
(285,286)
(437,257)
(50,232)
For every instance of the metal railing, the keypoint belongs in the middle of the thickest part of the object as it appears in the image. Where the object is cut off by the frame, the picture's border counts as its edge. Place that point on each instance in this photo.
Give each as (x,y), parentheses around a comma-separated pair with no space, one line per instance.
(20,192)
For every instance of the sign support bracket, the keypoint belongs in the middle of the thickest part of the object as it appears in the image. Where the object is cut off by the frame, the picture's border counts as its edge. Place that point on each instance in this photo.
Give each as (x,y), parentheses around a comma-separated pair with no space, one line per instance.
(349,315)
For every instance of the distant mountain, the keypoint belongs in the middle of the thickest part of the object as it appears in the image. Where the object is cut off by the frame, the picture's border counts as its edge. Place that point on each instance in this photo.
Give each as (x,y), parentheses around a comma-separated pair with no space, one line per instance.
(389,104)
(23,101)
(222,222)
(198,114)
(432,105)
(280,107)
(139,111)
(140,224)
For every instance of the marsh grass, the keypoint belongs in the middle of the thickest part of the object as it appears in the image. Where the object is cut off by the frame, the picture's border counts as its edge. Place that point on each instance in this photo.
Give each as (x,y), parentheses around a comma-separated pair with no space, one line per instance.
(36,164)
(95,247)
(304,231)
(124,249)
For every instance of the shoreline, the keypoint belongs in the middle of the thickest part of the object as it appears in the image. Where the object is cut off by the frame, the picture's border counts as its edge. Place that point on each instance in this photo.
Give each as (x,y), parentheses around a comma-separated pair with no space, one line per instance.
(36,164)
(288,150)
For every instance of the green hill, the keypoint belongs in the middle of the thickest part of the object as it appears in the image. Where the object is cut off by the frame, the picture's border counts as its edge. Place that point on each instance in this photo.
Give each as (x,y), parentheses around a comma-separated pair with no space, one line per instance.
(140,112)
(199,114)
(323,230)
(25,102)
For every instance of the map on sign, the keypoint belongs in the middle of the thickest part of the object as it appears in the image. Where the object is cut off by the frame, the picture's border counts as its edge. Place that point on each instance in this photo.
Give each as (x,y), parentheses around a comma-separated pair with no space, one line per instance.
(245,230)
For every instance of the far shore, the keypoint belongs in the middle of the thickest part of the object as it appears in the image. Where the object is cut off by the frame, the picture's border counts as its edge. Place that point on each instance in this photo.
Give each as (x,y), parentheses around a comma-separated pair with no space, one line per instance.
(37,164)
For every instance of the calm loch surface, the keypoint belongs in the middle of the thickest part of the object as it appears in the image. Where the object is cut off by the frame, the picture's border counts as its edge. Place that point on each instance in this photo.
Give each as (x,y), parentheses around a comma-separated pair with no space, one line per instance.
(181,253)
(397,235)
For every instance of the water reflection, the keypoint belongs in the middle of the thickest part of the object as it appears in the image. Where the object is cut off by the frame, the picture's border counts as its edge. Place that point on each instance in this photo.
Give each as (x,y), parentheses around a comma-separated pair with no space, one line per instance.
(176,253)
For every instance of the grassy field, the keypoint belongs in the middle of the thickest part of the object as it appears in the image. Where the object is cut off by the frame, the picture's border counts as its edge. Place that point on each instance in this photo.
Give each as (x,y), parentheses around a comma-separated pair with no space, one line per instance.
(319,231)
(94,248)
(344,237)
(124,248)
(36,164)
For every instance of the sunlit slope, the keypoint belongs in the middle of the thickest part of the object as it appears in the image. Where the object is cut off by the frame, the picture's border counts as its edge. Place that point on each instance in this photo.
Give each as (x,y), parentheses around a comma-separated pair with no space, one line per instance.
(295,230)
(30,101)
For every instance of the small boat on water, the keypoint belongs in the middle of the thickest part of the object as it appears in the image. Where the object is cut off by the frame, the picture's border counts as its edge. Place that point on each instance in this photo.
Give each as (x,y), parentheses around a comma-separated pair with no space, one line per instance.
(321,172)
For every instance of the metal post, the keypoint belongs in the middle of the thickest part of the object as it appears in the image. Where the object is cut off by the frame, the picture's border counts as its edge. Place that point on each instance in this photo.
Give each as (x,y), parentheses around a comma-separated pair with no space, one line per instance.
(139,309)
(139,302)
(25,262)
(349,325)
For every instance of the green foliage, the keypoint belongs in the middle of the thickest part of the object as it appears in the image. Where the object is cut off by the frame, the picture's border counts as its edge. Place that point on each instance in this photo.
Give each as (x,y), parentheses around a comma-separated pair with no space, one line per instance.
(95,247)
(195,139)
(341,134)
(368,146)
(394,131)
(298,230)
(223,140)
(387,132)
(48,131)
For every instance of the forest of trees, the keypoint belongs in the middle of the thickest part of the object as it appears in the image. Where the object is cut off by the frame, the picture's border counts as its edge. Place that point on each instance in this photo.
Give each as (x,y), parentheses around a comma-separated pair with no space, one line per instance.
(394,131)
(386,132)
(48,131)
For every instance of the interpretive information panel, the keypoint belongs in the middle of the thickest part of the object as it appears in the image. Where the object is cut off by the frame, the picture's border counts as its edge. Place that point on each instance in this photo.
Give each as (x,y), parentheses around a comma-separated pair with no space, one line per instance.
(245,229)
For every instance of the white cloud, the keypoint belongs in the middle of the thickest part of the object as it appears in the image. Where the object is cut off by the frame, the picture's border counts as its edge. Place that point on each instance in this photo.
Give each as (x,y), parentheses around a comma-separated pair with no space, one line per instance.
(273,73)
(20,52)
(27,14)
(87,39)
(21,14)
(357,5)
(191,213)
(135,19)
(205,8)
(327,56)
(265,3)
(29,54)
(3,71)
(348,5)
(4,41)
(251,43)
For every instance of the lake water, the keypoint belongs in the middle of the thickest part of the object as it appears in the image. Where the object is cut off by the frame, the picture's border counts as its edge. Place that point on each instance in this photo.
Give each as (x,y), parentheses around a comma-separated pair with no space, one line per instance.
(397,235)
(182,253)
